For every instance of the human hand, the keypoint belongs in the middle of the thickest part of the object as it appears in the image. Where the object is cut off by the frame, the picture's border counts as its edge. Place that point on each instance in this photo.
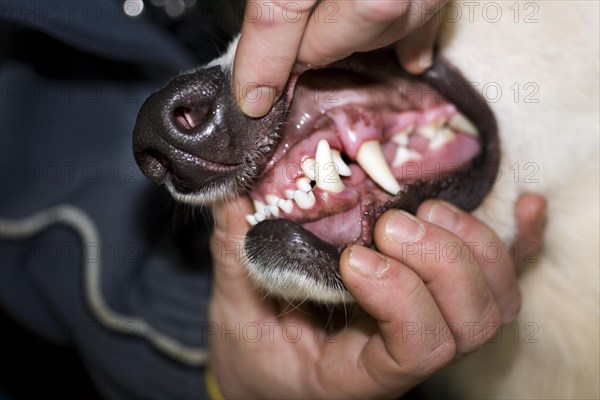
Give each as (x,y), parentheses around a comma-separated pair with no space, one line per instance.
(427,307)
(280,36)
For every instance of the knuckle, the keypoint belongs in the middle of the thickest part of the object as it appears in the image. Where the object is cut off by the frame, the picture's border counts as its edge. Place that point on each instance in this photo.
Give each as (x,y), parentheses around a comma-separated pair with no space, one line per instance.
(379,11)
(437,358)
(483,332)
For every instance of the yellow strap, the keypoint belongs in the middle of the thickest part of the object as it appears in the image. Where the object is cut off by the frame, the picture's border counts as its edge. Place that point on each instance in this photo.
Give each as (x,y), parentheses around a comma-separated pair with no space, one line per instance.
(212,387)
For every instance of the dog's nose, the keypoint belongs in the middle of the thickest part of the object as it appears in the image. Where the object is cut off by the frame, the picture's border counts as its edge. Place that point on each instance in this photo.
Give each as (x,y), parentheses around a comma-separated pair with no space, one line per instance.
(190,130)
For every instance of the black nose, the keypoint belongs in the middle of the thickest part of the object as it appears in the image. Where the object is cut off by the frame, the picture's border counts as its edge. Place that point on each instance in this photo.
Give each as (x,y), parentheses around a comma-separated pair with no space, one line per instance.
(192,132)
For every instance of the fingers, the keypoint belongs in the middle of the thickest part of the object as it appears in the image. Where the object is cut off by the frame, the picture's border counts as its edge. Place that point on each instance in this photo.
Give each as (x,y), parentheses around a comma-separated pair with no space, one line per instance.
(415,51)
(232,291)
(531,215)
(413,339)
(351,26)
(449,270)
(491,255)
(276,35)
(266,52)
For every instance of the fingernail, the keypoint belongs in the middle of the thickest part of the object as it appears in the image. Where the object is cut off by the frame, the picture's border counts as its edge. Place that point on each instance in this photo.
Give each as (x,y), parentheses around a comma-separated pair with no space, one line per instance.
(403,227)
(258,100)
(444,215)
(367,262)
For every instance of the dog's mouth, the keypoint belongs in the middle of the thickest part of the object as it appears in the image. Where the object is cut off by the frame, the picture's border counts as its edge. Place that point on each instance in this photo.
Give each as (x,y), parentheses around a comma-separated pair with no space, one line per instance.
(357,142)
(348,143)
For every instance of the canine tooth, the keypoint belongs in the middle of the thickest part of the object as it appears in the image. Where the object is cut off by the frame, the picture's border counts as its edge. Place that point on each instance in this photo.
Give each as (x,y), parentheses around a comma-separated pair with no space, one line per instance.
(271,199)
(304,184)
(441,138)
(326,178)
(304,200)
(258,205)
(460,123)
(289,193)
(285,205)
(404,154)
(370,158)
(308,168)
(342,167)
(251,219)
(273,210)
(260,216)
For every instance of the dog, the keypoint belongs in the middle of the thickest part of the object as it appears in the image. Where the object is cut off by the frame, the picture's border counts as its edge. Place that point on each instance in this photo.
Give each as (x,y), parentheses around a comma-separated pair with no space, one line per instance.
(514,87)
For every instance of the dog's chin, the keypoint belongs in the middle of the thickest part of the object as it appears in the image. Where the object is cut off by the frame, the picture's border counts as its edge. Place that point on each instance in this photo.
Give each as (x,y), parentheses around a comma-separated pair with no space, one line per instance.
(359,137)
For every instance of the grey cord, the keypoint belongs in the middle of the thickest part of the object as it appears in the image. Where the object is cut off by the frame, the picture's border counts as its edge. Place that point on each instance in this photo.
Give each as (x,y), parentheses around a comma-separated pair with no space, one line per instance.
(82,224)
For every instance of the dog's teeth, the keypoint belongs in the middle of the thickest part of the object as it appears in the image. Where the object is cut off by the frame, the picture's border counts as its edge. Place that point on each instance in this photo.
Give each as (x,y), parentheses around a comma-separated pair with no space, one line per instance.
(271,199)
(304,200)
(370,158)
(442,137)
(342,167)
(285,205)
(260,216)
(404,154)
(258,205)
(289,193)
(251,219)
(308,168)
(401,137)
(460,123)
(430,130)
(304,184)
(327,176)
(273,210)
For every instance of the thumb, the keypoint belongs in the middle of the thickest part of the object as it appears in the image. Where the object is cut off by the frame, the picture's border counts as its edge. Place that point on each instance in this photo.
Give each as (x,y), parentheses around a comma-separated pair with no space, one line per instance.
(232,289)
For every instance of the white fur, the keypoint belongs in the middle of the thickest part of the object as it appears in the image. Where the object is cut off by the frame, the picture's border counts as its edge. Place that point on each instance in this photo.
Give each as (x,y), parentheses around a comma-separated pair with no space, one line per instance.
(560,135)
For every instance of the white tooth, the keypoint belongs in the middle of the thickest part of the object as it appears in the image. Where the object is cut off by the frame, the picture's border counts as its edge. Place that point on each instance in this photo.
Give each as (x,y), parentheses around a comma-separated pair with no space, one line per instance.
(308,168)
(285,205)
(404,154)
(343,168)
(258,205)
(460,123)
(304,184)
(289,193)
(271,199)
(304,200)
(401,137)
(260,216)
(370,158)
(441,138)
(266,212)
(251,219)
(273,210)
(429,131)
(327,175)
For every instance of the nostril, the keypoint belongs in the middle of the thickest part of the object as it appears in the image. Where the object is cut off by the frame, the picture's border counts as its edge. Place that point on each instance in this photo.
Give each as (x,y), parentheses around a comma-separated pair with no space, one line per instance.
(155,166)
(187,118)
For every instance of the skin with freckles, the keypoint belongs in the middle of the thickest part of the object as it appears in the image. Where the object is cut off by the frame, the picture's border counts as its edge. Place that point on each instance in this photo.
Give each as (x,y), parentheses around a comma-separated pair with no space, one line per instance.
(428,276)
(283,37)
